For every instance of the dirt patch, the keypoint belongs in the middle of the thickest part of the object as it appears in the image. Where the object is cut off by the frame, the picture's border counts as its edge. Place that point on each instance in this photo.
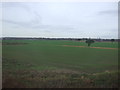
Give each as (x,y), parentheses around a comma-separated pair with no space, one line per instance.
(90,47)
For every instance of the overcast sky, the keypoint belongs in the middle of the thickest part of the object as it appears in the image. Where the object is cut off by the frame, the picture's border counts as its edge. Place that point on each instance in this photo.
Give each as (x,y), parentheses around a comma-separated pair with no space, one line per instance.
(63,19)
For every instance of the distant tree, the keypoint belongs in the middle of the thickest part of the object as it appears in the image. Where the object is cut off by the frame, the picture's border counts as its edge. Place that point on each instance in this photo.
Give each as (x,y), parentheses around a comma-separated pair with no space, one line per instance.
(112,40)
(89,42)
(79,39)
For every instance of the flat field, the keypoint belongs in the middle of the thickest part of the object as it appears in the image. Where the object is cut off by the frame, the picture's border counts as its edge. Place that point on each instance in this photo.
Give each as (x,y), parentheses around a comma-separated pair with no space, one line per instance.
(59,63)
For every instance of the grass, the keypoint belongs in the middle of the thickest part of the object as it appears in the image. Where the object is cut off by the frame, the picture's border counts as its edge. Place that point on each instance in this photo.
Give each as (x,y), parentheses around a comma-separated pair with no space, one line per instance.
(58,79)
(64,63)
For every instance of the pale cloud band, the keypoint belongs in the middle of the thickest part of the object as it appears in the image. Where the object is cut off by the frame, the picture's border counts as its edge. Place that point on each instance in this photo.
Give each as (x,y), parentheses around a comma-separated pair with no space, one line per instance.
(60,19)
(59,0)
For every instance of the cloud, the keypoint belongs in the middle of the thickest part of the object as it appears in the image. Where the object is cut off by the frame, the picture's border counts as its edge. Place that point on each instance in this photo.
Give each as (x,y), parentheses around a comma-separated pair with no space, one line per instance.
(42,28)
(108,12)
(65,20)
(24,24)
(12,15)
(15,5)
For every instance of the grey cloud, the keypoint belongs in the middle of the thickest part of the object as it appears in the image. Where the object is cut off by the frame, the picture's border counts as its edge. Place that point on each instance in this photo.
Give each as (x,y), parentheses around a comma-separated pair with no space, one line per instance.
(45,28)
(37,18)
(34,22)
(113,30)
(15,5)
(24,24)
(108,12)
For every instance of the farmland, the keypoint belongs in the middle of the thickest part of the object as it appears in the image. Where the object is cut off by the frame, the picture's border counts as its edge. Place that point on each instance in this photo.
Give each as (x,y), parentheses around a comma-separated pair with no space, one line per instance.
(59,63)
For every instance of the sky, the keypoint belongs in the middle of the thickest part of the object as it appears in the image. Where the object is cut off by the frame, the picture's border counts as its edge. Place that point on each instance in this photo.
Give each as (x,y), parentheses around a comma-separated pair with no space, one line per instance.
(60,19)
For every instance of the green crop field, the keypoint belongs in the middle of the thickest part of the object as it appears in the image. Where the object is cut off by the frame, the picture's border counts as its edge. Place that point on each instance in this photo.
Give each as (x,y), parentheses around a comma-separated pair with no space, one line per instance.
(48,63)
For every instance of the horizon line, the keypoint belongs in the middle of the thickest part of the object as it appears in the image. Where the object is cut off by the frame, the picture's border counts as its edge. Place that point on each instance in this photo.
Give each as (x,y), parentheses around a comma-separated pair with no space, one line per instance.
(56,37)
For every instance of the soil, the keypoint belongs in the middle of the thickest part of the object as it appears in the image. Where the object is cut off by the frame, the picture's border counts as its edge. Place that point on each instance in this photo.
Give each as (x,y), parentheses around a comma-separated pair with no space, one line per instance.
(90,47)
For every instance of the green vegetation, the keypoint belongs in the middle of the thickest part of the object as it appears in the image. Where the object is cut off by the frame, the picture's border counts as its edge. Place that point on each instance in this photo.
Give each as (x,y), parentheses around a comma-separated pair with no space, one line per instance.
(89,41)
(44,63)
